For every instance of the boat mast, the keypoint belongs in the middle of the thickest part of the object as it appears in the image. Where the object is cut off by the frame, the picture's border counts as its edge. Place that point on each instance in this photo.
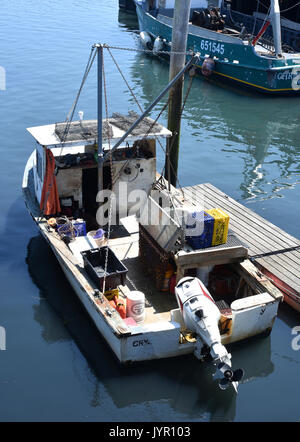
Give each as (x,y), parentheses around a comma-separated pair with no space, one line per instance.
(275,17)
(177,62)
(99,116)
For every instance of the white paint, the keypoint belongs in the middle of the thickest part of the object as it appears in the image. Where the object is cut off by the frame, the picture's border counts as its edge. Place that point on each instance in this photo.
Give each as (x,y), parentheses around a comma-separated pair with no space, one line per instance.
(2,338)
(140,175)
(252,315)
(46,136)
(169,4)
(2,78)
(158,340)
(135,306)
(81,244)
(69,183)
(38,182)
(296,340)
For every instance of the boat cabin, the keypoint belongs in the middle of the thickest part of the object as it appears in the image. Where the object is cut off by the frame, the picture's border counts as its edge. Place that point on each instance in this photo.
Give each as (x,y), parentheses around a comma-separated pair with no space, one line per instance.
(75,152)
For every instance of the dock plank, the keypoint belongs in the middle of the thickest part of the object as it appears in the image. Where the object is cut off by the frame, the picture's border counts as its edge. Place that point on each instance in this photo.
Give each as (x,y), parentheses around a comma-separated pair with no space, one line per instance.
(257,243)
(259,234)
(264,240)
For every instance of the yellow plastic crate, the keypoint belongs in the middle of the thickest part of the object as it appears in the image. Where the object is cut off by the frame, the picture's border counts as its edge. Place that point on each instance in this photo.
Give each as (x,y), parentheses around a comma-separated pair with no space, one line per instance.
(220,226)
(110,294)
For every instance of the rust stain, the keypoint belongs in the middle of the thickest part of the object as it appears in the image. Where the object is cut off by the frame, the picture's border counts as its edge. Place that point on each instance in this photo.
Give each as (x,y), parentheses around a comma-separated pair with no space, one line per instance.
(225,324)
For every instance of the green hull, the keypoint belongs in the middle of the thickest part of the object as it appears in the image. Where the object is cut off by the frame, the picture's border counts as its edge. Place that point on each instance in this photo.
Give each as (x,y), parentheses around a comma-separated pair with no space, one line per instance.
(235,60)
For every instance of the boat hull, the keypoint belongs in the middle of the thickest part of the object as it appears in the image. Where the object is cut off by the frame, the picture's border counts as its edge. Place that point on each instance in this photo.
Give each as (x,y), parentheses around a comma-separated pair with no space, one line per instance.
(235,62)
(290,296)
(156,340)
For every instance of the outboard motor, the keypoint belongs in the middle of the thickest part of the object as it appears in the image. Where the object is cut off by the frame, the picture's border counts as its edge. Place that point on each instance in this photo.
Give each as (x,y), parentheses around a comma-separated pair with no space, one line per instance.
(201,315)
(209,18)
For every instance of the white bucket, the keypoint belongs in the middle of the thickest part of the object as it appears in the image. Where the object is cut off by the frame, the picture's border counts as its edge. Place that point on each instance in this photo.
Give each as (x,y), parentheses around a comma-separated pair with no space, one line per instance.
(135,306)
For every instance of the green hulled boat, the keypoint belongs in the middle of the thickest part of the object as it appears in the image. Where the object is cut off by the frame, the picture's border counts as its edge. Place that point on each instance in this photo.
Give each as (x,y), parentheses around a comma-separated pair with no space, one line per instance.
(226,53)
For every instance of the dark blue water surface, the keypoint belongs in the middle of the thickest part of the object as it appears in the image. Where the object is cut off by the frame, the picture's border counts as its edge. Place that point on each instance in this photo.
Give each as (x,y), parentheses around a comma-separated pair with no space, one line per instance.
(55,366)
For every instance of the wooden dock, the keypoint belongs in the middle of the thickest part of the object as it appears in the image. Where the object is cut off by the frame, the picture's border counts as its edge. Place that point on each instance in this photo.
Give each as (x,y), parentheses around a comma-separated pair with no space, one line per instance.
(281,260)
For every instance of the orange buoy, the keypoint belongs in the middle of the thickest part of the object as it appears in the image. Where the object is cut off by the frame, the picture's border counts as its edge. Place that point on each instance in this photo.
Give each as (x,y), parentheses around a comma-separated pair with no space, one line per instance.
(121,308)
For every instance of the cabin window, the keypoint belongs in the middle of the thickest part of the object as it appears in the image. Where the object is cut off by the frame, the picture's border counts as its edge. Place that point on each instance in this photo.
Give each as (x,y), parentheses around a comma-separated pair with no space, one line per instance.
(39,165)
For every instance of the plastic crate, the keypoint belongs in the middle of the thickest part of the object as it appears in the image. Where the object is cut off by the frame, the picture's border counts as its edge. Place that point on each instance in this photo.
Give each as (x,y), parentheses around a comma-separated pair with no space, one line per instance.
(203,227)
(220,226)
(94,264)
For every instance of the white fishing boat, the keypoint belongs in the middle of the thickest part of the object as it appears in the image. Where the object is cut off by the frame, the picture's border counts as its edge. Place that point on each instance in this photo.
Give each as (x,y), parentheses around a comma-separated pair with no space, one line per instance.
(148,280)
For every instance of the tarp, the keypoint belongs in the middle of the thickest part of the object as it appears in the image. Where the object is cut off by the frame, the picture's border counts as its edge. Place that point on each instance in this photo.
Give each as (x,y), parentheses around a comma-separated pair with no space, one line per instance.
(50,204)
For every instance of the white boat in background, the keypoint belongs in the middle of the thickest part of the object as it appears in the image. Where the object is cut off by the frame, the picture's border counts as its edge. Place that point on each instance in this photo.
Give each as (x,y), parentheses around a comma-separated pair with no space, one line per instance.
(141,263)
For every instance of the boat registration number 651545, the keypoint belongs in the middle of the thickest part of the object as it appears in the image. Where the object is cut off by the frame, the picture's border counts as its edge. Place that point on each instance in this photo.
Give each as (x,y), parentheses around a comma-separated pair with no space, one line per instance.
(212,46)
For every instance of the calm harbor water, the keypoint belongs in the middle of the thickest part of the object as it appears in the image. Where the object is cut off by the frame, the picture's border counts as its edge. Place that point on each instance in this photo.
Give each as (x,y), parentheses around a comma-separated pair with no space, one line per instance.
(55,366)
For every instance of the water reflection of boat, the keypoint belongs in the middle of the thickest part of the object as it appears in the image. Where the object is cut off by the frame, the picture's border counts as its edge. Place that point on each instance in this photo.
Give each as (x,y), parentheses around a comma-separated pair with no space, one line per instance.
(128,20)
(189,390)
(127,5)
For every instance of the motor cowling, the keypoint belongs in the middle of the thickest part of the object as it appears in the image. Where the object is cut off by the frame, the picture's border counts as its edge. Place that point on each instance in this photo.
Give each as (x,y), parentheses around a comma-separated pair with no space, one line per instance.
(201,315)
(199,311)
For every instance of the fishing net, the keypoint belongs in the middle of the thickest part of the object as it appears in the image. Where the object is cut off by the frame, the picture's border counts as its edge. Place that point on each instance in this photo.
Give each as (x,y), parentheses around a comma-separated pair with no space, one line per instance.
(81,130)
(65,228)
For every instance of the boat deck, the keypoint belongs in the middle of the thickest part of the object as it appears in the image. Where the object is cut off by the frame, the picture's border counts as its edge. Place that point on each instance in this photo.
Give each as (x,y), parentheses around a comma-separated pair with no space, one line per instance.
(157,307)
(261,237)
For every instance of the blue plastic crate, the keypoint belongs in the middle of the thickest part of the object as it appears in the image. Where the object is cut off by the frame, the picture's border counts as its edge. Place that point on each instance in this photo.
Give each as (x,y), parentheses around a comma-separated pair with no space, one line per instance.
(204,224)
(80,228)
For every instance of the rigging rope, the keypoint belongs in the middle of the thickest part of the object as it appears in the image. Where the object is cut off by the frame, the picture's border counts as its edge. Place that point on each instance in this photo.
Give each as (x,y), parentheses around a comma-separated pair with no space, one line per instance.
(148,51)
(290,8)
(70,115)
(275,252)
(281,11)
(136,100)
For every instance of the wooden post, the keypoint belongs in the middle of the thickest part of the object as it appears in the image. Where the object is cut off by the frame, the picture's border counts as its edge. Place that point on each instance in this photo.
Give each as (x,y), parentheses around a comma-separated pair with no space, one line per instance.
(177,62)
(100,135)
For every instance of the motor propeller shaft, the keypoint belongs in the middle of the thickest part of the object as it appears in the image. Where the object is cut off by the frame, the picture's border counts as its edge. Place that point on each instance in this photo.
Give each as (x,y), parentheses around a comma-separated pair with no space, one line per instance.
(231,377)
